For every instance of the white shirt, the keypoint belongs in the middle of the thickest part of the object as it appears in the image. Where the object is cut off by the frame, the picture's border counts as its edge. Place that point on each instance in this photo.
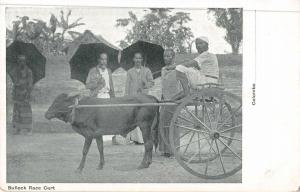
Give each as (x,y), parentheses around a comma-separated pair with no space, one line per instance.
(104,92)
(208,64)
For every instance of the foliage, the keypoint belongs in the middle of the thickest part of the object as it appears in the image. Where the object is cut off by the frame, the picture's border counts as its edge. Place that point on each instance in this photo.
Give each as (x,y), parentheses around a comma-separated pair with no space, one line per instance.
(159,26)
(232,21)
(65,25)
(45,37)
(123,44)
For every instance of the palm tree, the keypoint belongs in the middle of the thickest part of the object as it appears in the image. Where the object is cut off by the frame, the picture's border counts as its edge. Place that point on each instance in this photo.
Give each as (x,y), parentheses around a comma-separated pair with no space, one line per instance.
(65,25)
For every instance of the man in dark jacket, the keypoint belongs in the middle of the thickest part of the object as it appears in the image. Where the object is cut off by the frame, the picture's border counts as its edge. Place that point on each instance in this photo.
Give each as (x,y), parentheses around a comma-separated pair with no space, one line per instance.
(99,82)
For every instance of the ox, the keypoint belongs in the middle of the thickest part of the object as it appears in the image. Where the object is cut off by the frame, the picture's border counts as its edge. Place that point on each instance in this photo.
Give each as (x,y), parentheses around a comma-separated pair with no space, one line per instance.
(94,122)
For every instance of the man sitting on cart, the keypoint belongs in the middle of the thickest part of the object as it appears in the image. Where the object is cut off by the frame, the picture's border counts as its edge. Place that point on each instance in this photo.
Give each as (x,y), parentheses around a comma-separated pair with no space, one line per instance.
(203,69)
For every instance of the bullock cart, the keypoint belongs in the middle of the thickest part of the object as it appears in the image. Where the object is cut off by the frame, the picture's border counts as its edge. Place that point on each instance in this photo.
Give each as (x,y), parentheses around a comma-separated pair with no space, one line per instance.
(205,133)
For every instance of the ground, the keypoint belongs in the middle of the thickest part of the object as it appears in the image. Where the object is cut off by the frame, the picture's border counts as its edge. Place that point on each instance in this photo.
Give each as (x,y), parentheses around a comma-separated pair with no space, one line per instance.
(53,152)
(53,158)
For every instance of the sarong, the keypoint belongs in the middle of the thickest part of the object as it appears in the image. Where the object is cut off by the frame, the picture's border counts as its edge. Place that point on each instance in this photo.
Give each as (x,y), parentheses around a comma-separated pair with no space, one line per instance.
(22,116)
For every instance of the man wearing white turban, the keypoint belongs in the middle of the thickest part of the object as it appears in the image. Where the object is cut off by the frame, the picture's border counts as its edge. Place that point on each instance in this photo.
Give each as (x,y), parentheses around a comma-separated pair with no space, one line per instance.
(202,69)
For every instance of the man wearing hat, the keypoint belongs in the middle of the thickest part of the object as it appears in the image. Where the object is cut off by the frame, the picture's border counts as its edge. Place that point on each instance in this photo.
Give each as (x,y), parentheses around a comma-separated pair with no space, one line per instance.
(202,69)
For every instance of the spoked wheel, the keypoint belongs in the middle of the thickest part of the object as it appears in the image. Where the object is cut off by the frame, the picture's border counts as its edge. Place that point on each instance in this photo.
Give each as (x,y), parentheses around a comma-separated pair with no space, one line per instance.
(206,134)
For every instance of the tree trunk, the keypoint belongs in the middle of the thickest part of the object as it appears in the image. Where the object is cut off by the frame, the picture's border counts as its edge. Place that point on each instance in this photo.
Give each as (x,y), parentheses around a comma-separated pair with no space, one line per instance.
(235,48)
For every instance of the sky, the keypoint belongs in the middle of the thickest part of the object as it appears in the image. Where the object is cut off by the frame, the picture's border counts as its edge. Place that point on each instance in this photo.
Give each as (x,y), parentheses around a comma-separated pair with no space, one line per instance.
(103,20)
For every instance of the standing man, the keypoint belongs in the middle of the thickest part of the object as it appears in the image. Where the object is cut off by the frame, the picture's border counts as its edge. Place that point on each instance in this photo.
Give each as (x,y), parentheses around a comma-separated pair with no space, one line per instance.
(203,69)
(169,87)
(22,113)
(139,80)
(99,82)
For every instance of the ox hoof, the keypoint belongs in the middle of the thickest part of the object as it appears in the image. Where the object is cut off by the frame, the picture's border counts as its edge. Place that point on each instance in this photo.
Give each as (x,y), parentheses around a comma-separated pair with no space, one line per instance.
(143,166)
(78,171)
(100,167)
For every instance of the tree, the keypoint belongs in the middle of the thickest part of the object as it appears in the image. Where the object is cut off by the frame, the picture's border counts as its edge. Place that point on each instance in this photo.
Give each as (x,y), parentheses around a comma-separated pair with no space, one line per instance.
(158,26)
(65,25)
(123,44)
(232,21)
(44,37)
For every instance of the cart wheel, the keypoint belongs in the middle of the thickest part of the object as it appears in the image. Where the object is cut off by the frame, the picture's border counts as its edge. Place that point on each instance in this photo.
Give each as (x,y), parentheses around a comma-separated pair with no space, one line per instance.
(206,134)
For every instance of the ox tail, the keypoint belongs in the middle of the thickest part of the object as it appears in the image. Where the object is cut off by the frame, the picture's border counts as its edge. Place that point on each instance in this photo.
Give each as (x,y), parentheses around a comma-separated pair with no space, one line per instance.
(154,129)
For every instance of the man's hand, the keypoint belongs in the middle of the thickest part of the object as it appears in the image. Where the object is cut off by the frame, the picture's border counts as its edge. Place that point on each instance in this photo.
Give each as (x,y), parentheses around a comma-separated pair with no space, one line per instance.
(170,67)
(101,82)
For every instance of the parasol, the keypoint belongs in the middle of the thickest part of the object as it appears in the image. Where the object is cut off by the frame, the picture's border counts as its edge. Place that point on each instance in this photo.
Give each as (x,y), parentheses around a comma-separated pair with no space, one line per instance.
(85,58)
(34,60)
(153,56)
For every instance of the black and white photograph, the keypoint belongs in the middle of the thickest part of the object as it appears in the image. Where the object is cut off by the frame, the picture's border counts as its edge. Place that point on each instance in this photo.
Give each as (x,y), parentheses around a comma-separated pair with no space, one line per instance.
(160,95)
(124,95)
(149,95)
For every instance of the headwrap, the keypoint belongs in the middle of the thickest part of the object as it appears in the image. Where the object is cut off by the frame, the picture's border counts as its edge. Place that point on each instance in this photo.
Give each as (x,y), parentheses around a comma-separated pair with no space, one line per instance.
(203,38)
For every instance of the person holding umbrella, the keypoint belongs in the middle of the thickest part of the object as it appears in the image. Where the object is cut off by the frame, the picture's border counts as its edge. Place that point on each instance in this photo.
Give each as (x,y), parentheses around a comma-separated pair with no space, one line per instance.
(99,82)
(139,81)
(23,83)
(26,66)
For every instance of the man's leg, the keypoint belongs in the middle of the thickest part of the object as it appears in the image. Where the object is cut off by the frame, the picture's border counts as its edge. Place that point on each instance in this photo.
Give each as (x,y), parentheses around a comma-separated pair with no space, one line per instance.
(107,96)
(114,140)
(16,119)
(26,118)
(181,76)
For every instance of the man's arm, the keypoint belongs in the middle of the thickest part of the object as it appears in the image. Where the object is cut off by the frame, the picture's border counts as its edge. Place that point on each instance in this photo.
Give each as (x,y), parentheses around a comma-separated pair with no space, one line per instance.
(30,80)
(30,84)
(191,63)
(127,83)
(111,85)
(149,79)
(90,82)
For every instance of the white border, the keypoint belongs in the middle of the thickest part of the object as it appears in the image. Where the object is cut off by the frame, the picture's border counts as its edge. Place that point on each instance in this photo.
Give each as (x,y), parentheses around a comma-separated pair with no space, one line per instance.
(271,141)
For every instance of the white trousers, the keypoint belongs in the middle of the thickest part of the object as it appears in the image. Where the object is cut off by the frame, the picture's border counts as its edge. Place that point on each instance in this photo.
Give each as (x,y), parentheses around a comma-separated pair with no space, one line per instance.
(193,75)
(103,95)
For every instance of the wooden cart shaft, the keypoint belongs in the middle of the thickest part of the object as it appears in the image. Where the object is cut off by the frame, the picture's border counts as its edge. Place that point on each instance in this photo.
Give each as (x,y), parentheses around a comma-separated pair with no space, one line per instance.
(126,105)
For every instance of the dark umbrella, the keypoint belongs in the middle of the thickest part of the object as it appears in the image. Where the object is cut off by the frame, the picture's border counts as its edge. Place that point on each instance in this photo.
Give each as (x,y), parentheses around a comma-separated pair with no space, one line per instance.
(85,58)
(153,56)
(34,60)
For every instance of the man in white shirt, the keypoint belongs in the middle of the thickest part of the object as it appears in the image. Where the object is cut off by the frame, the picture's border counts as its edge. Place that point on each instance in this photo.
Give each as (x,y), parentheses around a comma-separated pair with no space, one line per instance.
(99,81)
(203,69)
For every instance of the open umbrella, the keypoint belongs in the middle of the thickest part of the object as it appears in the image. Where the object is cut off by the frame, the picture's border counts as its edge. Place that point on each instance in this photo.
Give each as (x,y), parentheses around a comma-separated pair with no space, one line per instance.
(34,60)
(153,56)
(85,58)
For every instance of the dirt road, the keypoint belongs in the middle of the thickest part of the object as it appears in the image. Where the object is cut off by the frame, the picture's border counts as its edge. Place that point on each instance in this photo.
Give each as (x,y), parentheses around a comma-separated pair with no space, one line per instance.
(53,158)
